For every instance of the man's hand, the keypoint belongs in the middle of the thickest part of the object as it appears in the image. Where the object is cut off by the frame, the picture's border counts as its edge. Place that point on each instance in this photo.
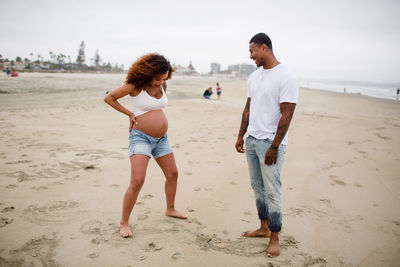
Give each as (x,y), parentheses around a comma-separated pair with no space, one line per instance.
(271,156)
(239,145)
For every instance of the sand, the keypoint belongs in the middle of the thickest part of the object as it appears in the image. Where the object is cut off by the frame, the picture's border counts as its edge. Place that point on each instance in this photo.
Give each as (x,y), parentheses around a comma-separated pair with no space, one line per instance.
(64,168)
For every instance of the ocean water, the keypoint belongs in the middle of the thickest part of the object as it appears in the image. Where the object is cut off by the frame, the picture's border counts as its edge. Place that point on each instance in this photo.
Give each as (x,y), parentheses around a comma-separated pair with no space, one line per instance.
(372,89)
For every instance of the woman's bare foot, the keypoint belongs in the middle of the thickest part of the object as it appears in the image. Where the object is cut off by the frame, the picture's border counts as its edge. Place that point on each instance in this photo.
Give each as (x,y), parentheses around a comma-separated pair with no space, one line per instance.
(174,213)
(124,230)
(261,232)
(274,249)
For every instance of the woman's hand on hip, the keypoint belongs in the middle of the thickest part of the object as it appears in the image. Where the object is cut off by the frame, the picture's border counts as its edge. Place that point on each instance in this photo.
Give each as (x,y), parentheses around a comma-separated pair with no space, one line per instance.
(132,121)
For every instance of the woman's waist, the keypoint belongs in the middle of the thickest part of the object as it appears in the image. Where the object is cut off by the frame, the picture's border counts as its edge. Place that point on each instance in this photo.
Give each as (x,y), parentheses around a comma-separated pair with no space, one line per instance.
(153,139)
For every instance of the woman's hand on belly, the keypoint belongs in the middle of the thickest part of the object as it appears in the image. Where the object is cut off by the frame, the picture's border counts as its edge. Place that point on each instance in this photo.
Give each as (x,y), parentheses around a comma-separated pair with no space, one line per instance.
(132,121)
(153,123)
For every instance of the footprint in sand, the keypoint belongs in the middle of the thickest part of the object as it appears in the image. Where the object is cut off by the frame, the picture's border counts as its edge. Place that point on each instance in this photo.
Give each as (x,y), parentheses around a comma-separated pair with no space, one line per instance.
(148,196)
(153,247)
(93,255)
(39,188)
(382,136)
(336,181)
(5,221)
(8,209)
(177,255)
(220,205)
(18,162)
(21,176)
(36,252)
(327,202)
(197,189)
(188,173)
(47,173)
(144,216)
(193,220)
(54,213)
(103,232)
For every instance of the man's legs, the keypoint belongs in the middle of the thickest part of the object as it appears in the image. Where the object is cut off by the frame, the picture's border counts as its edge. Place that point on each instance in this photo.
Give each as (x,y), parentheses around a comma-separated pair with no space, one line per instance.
(272,184)
(259,191)
(266,183)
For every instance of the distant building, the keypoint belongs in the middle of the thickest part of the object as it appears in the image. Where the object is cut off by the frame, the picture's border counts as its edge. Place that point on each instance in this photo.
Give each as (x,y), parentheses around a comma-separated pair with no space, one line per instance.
(215,68)
(187,70)
(242,70)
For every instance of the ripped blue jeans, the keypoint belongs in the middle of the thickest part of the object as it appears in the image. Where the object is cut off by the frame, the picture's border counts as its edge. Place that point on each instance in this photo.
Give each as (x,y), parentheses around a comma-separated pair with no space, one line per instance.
(266,181)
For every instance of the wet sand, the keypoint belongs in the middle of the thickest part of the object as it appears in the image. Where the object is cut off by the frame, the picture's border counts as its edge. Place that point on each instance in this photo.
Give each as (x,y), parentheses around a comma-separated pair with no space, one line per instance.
(64,168)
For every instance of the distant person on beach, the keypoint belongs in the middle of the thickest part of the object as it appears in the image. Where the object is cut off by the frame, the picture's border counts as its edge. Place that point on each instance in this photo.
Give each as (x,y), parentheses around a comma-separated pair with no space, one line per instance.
(218,89)
(146,86)
(397,93)
(8,71)
(207,93)
(272,98)
(13,73)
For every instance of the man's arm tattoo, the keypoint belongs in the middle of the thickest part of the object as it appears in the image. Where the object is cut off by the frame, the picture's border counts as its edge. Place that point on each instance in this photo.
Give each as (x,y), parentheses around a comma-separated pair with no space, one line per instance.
(245,119)
(287,110)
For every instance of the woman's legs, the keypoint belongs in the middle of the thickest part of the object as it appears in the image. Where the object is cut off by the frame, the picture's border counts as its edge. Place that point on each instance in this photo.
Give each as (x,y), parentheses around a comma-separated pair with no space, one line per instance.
(139,164)
(168,166)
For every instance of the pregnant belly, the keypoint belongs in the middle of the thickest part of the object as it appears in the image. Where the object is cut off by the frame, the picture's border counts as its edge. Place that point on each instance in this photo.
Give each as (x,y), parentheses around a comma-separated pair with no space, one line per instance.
(153,123)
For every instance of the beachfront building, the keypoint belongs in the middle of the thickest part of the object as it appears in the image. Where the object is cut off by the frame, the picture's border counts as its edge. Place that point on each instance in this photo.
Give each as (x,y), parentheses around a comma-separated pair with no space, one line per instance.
(215,68)
(187,70)
(242,70)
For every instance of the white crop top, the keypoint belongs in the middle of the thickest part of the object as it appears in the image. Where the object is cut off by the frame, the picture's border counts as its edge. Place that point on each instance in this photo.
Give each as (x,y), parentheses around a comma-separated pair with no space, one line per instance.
(143,102)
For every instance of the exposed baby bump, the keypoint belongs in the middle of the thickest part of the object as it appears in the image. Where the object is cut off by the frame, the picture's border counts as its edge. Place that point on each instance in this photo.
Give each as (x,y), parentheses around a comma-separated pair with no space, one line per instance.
(153,123)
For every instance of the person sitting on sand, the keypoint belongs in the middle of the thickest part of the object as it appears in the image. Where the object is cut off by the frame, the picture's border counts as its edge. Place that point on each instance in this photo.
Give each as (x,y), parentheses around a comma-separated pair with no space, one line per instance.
(207,93)
(146,86)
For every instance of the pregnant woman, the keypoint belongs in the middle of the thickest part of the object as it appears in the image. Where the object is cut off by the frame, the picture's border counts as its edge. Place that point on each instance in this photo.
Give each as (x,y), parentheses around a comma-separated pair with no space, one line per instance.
(146,86)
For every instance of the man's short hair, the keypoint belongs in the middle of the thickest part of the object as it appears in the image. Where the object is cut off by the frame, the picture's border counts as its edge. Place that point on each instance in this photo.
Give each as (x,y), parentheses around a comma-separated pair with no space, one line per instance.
(261,38)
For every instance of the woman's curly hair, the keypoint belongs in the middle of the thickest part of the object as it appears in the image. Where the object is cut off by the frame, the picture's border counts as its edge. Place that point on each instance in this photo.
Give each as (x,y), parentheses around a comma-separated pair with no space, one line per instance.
(146,68)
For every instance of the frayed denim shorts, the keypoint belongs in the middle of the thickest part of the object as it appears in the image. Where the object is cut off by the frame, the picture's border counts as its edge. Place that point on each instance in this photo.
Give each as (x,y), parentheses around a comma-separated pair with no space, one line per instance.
(141,143)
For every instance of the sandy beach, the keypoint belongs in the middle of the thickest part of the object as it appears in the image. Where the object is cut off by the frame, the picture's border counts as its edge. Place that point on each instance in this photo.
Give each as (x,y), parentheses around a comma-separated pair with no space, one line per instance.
(64,168)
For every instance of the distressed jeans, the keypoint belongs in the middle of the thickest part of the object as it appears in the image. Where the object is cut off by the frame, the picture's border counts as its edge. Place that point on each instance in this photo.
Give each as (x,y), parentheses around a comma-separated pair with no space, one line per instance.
(266,181)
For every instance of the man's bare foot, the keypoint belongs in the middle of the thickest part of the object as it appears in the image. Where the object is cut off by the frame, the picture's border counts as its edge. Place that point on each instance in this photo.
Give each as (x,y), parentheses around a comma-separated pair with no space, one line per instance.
(124,230)
(261,232)
(174,213)
(274,249)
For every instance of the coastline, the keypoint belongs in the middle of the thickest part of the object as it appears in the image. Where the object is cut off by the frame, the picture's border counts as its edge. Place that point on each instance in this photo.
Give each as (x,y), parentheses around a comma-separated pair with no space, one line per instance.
(371,89)
(64,169)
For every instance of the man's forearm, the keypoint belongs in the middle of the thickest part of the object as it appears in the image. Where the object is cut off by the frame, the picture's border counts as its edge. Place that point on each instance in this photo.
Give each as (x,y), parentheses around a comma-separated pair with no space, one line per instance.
(287,110)
(245,119)
(244,124)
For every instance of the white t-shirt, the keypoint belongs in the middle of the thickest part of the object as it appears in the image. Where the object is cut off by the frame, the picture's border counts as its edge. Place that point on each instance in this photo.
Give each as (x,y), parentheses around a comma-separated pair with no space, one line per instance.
(267,88)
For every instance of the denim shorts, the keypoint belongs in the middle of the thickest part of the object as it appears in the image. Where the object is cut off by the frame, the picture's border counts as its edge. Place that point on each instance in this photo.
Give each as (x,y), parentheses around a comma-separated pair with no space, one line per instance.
(141,143)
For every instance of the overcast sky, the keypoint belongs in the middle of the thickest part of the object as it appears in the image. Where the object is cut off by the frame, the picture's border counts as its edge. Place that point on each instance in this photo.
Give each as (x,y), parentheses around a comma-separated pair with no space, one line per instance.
(337,39)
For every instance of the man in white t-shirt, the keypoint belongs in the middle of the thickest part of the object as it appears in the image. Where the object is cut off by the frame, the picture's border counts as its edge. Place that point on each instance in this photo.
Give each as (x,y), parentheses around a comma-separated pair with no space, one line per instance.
(272,98)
